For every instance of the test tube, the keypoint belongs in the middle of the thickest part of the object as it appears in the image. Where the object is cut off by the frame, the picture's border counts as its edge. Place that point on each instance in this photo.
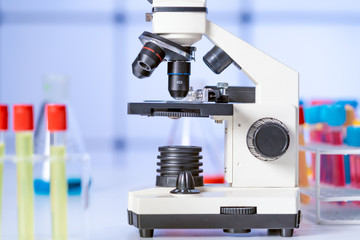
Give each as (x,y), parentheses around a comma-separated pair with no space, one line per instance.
(3,128)
(326,162)
(312,118)
(350,119)
(56,124)
(23,127)
(335,117)
(353,139)
(303,179)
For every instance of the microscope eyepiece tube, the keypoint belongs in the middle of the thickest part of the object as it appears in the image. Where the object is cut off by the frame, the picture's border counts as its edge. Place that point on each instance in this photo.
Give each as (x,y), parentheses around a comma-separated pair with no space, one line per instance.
(179,77)
(149,58)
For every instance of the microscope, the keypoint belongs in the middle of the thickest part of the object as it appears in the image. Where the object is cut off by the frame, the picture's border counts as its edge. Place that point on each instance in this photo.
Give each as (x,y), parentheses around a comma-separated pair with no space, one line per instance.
(261,131)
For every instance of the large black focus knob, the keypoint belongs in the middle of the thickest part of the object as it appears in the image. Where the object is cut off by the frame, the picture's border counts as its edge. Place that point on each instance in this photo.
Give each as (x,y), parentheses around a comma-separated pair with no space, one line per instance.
(217,60)
(268,139)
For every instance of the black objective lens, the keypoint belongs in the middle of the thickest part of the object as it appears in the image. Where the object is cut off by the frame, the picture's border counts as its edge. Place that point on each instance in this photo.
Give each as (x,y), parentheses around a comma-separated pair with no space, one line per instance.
(217,60)
(149,58)
(179,75)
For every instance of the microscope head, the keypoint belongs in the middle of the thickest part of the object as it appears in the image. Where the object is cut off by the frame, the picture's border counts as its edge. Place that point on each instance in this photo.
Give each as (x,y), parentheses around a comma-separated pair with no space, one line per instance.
(177,25)
(180,21)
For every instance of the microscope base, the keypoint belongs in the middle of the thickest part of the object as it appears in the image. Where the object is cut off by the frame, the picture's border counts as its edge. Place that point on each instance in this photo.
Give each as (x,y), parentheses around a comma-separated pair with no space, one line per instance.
(275,209)
(229,223)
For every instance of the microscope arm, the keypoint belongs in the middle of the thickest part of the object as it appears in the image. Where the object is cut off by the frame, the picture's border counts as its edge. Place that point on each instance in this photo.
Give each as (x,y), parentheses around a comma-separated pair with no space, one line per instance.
(275,82)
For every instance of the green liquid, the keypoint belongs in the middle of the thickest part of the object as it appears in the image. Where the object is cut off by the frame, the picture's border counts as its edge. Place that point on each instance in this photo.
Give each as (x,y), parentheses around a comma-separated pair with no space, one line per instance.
(58,192)
(25,187)
(2,154)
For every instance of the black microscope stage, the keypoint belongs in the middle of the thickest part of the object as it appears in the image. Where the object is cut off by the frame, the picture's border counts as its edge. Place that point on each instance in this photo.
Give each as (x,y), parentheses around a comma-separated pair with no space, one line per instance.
(178,109)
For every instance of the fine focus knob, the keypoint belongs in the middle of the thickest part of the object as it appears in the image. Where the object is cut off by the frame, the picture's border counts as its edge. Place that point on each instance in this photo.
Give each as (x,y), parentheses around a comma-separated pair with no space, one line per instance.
(268,139)
(238,210)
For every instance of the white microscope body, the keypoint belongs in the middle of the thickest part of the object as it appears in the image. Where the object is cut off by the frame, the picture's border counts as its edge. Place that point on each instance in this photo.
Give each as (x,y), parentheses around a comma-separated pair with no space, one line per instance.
(265,183)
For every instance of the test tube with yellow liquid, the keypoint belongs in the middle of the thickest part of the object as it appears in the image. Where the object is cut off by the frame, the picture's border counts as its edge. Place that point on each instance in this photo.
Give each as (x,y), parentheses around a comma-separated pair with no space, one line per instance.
(23,127)
(56,125)
(3,128)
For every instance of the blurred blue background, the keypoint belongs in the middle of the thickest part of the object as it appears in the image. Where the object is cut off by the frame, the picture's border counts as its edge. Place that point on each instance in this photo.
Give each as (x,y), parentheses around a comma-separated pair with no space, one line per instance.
(94,43)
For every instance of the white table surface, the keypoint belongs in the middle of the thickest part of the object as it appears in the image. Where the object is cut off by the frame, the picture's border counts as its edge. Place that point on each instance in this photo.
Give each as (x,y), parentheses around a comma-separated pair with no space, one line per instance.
(113,176)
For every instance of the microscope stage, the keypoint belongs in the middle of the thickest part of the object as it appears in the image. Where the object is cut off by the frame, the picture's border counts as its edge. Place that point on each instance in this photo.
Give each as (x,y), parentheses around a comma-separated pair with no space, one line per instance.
(178,109)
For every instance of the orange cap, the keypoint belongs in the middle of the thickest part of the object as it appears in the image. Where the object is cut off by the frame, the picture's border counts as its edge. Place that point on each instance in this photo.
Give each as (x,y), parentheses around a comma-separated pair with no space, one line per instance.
(56,117)
(23,118)
(350,115)
(3,117)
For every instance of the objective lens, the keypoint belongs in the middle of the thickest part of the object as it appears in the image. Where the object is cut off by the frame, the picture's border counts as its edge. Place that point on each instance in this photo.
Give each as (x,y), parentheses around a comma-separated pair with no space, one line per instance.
(179,75)
(149,58)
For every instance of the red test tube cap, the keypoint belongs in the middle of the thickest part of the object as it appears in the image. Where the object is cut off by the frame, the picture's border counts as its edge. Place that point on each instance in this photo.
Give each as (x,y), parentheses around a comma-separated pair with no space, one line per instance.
(23,118)
(301,115)
(56,117)
(3,117)
(318,102)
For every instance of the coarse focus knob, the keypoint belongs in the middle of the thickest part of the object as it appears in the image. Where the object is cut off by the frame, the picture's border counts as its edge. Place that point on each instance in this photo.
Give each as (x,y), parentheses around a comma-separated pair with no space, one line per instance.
(268,139)
(237,210)
(217,60)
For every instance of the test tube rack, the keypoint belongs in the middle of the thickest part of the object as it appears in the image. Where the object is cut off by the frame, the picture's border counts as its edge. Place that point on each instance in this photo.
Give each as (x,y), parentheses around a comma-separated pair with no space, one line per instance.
(323,193)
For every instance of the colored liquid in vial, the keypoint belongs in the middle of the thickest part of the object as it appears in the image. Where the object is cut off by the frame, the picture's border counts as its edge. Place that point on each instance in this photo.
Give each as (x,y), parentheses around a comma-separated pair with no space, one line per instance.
(25,187)
(315,137)
(336,138)
(355,170)
(58,192)
(2,154)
